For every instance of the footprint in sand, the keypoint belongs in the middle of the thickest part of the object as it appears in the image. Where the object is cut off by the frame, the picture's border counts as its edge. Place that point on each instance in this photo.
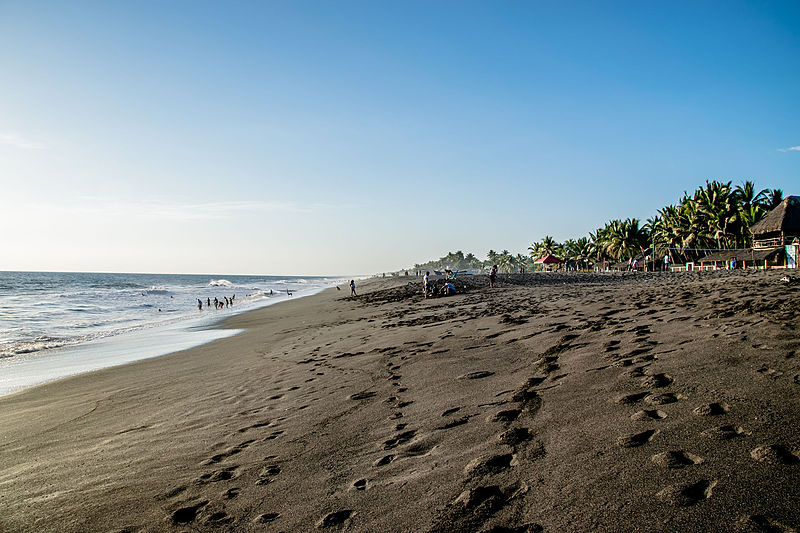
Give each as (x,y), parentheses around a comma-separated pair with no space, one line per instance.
(629,399)
(514,436)
(723,432)
(649,414)
(676,459)
(656,381)
(362,395)
(218,475)
(711,409)
(267,473)
(488,464)
(218,518)
(684,495)
(633,440)
(231,493)
(399,439)
(761,524)
(661,399)
(636,372)
(335,519)
(385,460)
(360,484)
(774,454)
(507,415)
(266,518)
(187,513)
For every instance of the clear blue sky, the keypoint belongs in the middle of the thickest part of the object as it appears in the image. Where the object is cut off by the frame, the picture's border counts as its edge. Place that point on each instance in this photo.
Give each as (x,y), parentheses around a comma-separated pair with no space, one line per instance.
(357,137)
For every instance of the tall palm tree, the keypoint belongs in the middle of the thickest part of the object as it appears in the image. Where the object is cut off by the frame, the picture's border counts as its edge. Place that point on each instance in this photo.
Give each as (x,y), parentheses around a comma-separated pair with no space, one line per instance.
(624,238)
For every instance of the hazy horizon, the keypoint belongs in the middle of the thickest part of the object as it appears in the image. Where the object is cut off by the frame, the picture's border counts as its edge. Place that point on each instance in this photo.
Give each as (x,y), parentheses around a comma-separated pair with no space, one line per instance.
(305,138)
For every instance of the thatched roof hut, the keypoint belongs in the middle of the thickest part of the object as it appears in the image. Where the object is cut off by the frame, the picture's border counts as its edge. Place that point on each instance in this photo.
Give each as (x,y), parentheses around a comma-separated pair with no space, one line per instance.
(750,258)
(780,227)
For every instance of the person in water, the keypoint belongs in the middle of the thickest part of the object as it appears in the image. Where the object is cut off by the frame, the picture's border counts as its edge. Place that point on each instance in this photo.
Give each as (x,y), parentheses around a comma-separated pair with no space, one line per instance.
(200,304)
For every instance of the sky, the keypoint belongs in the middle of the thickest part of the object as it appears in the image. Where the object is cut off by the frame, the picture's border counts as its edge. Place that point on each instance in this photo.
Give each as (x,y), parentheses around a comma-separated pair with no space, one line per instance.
(339,138)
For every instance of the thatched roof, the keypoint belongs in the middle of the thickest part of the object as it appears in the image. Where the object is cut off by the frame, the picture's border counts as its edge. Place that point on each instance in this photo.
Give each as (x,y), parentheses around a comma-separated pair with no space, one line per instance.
(785,217)
(740,255)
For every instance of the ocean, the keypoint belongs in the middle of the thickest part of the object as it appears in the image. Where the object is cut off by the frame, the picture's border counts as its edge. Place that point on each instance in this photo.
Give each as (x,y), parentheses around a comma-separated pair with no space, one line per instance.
(55,324)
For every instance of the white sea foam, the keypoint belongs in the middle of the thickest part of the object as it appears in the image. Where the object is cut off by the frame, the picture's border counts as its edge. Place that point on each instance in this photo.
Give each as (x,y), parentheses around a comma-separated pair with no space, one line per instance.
(54,325)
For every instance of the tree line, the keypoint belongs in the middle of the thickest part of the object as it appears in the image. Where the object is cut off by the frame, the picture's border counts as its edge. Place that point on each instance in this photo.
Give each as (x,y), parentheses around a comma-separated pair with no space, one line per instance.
(716,216)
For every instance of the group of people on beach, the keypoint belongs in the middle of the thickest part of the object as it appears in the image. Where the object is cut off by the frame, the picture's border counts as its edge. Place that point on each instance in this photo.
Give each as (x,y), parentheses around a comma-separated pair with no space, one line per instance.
(218,304)
(429,289)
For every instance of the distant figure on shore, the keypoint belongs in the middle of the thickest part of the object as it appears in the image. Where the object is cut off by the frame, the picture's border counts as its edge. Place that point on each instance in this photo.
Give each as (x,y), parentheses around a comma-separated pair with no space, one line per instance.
(425,284)
(666,263)
(288,292)
(353,288)
(208,301)
(492,276)
(635,262)
(270,292)
(216,303)
(200,304)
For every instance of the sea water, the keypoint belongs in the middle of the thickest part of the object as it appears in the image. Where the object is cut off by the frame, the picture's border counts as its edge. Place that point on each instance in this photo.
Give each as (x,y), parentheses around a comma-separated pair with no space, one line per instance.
(54,325)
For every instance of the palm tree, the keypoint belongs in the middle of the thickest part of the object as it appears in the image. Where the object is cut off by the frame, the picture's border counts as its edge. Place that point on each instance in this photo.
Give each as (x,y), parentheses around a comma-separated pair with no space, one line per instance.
(624,238)
(505,261)
(520,262)
(491,258)
(772,198)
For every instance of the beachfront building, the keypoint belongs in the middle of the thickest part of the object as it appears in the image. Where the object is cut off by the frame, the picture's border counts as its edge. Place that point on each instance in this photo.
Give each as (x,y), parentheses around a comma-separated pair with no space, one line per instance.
(780,227)
(746,258)
(776,239)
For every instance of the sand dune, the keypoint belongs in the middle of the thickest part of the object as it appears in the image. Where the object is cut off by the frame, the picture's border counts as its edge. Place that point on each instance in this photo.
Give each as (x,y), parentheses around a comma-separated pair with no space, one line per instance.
(555,402)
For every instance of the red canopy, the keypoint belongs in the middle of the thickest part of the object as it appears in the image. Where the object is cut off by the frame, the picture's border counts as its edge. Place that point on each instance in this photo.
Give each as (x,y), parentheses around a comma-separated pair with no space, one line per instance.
(549,259)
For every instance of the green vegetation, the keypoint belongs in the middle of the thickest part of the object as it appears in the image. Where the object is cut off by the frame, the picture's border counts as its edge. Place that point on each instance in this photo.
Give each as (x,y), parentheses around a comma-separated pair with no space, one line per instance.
(716,216)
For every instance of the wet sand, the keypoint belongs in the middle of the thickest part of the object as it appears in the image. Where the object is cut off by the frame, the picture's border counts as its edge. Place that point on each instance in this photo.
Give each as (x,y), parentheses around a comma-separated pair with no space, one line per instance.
(554,403)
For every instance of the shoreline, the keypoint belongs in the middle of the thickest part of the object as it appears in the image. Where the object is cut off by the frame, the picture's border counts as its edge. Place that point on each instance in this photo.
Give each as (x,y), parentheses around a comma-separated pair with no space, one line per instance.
(23,371)
(627,404)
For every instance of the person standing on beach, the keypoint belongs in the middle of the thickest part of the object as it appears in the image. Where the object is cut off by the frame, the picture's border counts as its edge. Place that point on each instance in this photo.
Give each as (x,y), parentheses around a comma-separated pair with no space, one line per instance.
(353,288)
(492,276)
(425,284)
(666,263)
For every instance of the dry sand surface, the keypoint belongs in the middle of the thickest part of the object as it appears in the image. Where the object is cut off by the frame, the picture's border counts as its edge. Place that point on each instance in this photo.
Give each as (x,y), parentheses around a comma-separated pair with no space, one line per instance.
(661,402)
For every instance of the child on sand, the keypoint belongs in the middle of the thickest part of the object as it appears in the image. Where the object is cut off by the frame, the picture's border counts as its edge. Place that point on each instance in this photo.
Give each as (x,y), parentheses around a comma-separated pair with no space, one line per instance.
(353,288)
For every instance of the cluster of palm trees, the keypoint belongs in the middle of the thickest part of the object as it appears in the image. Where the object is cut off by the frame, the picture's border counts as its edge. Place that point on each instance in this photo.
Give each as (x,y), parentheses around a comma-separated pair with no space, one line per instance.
(716,216)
